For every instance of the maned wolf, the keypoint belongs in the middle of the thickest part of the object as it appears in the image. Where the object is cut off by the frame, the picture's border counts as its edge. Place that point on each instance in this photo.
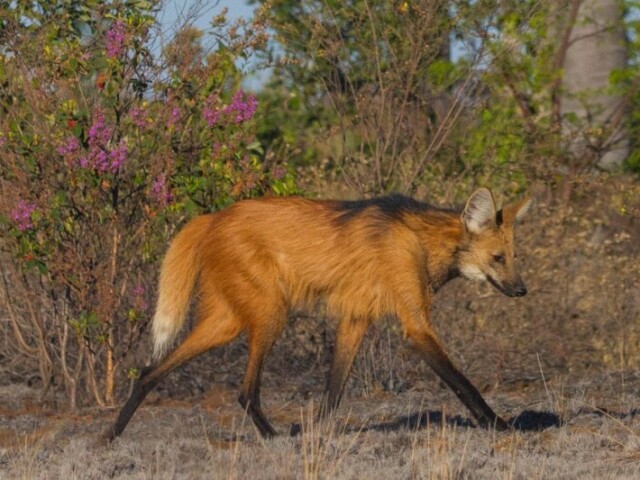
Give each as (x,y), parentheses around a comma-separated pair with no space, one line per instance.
(386,256)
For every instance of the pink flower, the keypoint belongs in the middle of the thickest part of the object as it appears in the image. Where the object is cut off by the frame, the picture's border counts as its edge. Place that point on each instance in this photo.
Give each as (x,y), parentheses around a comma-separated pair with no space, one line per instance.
(115,39)
(99,159)
(71,146)
(175,116)
(102,160)
(210,113)
(241,109)
(99,132)
(118,156)
(21,215)
(138,293)
(161,192)
(138,117)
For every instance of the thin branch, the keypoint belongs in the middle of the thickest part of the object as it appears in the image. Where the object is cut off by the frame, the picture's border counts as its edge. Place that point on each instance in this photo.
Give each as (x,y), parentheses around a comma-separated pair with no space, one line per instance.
(22,343)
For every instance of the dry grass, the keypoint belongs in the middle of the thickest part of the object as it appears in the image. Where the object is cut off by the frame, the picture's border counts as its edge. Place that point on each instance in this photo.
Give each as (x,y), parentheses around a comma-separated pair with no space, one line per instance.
(379,436)
(570,350)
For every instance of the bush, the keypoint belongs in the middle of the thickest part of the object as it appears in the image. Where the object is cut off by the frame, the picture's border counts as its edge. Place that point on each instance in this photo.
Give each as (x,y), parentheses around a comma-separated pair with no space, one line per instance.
(107,146)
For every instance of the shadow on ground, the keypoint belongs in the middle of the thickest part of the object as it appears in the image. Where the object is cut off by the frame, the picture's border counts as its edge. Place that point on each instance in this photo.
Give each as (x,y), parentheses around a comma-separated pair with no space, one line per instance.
(532,421)
(527,421)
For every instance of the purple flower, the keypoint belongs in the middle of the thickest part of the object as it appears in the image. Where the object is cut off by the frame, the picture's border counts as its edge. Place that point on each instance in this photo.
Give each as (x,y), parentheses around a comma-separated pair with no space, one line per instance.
(102,160)
(99,159)
(71,146)
(174,117)
(118,155)
(138,290)
(3,141)
(84,161)
(99,132)
(241,109)
(210,113)
(211,116)
(115,39)
(138,293)
(160,191)
(21,215)
(100,156)
(138,117)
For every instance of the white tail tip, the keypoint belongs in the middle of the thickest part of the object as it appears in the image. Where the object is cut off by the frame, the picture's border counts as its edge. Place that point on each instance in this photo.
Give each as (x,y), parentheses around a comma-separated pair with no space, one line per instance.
(164,332)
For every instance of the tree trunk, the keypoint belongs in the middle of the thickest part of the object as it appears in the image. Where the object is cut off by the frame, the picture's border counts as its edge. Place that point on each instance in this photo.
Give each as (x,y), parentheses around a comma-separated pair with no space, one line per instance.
(597,47)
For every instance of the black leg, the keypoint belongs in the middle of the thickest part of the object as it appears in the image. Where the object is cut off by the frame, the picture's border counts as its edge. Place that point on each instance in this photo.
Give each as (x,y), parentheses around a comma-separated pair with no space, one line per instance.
(204,337)
(437,359)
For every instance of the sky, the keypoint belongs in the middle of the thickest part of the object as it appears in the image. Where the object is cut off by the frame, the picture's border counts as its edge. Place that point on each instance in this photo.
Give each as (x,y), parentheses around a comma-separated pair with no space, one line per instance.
(174,9)
(240,8)
(237,8)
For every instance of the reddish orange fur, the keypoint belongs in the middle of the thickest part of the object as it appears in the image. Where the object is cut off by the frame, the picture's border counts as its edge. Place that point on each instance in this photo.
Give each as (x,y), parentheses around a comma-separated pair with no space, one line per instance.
(289,252)
(259,258)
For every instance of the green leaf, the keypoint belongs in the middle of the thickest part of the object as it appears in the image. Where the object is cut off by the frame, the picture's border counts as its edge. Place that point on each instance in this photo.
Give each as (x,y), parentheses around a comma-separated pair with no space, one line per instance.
(256,147)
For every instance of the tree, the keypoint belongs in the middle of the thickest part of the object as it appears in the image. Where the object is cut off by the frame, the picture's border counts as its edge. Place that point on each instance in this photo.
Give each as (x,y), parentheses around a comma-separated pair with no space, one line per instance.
(397,114)
(378,83)
(596,51)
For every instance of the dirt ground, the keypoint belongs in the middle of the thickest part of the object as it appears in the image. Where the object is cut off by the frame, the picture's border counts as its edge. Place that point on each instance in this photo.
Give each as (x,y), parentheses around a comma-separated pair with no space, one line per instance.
(562,363)
(422,433)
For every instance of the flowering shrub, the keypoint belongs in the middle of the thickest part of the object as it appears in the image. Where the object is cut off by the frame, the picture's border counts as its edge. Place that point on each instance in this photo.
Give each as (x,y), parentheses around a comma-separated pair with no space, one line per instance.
(106,149)
(21,215)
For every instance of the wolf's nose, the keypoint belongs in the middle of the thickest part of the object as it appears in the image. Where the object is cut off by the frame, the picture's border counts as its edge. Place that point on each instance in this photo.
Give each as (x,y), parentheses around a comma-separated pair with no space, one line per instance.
(521,291)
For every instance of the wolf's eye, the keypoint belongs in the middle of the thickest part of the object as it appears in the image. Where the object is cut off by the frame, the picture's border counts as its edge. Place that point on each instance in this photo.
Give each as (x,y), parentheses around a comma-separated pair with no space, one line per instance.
(498,259)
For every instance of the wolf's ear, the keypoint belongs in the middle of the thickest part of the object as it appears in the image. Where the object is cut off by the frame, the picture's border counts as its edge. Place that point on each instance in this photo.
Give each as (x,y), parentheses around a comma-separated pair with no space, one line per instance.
(515,212)
(480,211)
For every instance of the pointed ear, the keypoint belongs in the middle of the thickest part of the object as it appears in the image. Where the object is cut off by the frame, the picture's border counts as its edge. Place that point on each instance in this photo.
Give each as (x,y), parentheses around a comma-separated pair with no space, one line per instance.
(480,212)
(515,212)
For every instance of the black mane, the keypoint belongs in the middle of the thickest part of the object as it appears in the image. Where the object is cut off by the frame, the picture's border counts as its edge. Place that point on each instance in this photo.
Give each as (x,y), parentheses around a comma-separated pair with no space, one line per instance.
(392,206)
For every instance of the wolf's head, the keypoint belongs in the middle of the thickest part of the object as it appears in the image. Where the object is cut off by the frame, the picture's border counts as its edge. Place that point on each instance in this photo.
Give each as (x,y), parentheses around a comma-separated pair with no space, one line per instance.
(488,251)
